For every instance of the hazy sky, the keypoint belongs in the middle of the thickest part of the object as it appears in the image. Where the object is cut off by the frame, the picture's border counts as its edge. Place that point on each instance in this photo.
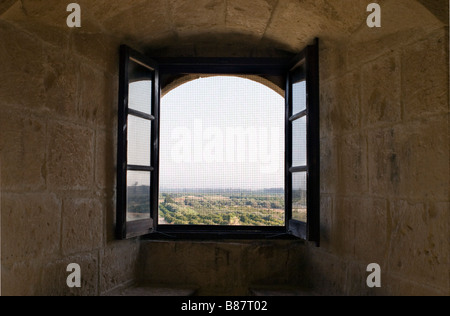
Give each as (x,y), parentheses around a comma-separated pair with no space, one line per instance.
(217,132)
(222,132)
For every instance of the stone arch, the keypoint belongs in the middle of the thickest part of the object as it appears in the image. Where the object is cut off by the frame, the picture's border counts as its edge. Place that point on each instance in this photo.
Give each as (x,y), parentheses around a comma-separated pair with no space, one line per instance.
(271,83)
(219,27)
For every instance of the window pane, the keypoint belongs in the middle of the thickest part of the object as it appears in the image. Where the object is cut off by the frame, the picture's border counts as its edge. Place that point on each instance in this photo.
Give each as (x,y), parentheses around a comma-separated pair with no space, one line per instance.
(139,133)
(299,193)
(299,142)
(140,96)
(140,87)
(222,154)
(298,97)
(138,195)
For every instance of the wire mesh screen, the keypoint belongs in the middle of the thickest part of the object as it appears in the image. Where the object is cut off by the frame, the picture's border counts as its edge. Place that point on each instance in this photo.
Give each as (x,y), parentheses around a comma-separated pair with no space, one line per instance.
(222,154)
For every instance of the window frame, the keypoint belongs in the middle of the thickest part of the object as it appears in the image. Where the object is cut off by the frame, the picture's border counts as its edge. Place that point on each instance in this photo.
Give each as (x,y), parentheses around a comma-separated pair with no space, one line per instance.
(264,67)
(308,62)
(124,228)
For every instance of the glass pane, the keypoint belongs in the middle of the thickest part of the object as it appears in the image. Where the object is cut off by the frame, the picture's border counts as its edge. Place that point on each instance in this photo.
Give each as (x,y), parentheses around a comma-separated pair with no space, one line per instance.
(138,195)
(140,88)
(299,193)
(298,97)
(299,142)
(140,96)
(139,133)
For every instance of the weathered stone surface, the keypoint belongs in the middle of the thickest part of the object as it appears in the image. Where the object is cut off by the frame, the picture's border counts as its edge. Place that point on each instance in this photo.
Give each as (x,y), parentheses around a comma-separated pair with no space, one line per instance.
(31,226)
(403,22)
(284,264)
(348,15)
(340,104)
(355,284)
(425,76)
(384,129)
(333,59)
(417,250)
(348,101)
(5,5)
(60,82)
(392,284)
(372,231)
(288,26)
(190,17)
(22,149)
(381,91)
(249,16)
(106,54)
(70,157)
(104,163)
(400,160)
(82,226)
(20,278)
(153,23)
(52,33)
(439,8)
(326,220)
(306,18)
(97,97)
(329,176)
(235,45)
(352,164)
(328,109)
(153,291)
(327,272)
(55,274)
(345,224)
(40,9)
(118,264)
(384,164)
(21,61)
(220,268)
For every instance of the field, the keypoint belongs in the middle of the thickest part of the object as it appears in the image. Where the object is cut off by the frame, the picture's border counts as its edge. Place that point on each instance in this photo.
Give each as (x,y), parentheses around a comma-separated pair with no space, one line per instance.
(245,209)
(233,208)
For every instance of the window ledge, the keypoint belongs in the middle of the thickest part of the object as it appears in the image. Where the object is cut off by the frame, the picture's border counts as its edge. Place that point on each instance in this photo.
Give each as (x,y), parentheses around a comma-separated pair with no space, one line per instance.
(219,235)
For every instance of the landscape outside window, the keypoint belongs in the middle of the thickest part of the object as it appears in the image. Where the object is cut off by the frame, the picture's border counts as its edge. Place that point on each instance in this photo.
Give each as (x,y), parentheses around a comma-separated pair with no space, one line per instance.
(221,156)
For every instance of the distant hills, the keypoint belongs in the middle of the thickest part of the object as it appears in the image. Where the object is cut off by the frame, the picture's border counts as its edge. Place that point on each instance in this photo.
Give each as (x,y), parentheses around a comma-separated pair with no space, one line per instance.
(224,191)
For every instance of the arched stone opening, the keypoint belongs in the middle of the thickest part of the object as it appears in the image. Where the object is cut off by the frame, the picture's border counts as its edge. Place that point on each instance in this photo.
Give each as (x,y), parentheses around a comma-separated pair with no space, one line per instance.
(274,83)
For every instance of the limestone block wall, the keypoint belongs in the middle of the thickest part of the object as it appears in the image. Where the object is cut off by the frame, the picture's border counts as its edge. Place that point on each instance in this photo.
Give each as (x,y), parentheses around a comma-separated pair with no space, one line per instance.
(57,158)
(230,268)
(384,141)
(385,164)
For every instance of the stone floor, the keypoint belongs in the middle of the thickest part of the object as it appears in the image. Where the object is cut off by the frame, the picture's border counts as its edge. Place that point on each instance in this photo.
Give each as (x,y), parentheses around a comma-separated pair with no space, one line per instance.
(280,292)
(155,291)
(164,290)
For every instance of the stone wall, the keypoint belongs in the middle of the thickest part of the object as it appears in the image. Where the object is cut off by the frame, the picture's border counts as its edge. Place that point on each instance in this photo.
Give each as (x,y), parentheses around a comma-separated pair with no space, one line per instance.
(385,164)
(384,143)
(57,117)
(230,268)
(384,183)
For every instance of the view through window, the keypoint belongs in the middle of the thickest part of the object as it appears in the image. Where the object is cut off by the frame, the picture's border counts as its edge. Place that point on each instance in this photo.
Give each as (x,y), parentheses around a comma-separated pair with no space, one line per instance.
(222,154)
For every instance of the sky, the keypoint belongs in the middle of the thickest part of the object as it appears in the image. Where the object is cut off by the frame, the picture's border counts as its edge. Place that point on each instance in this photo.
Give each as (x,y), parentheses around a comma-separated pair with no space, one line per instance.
(222,133)
(217,132)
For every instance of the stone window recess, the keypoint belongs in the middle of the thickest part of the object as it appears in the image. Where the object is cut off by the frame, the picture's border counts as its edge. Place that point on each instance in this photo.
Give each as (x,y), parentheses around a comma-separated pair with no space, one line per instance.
(142,82)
